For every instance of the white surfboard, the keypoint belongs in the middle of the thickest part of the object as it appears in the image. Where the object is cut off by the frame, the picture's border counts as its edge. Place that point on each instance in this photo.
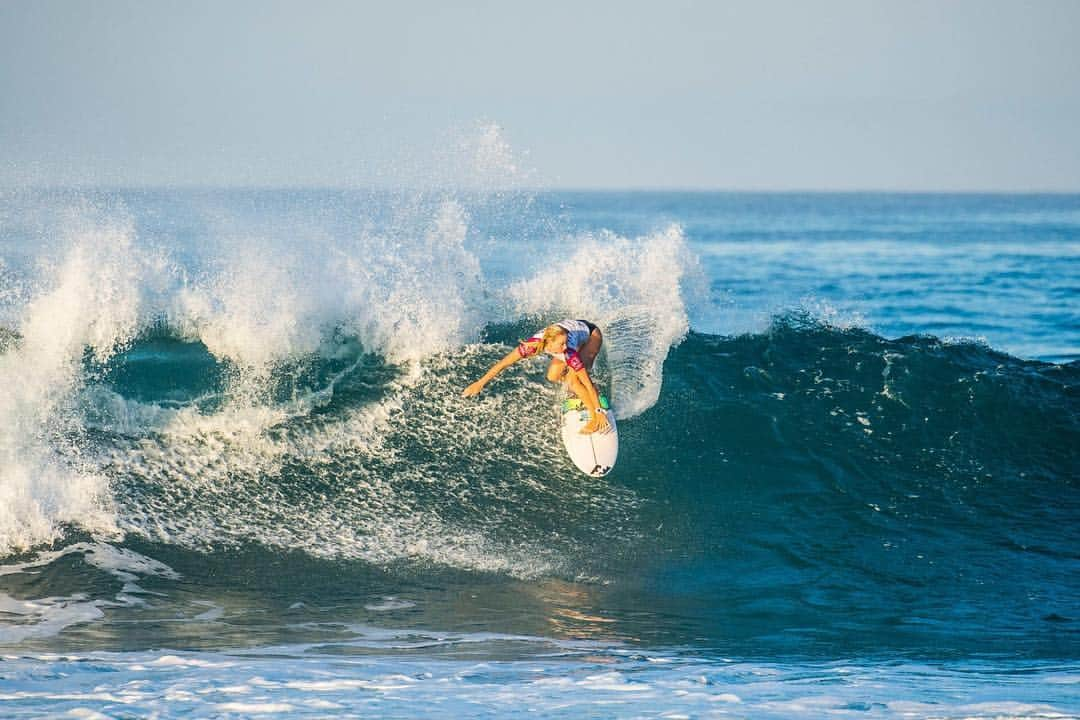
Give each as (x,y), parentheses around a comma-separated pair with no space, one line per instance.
(595,453)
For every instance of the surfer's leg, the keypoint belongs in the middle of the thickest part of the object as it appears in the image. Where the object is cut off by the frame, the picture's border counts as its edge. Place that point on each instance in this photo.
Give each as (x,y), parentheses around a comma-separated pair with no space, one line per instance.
(589,350)
(573,384)
(598,420)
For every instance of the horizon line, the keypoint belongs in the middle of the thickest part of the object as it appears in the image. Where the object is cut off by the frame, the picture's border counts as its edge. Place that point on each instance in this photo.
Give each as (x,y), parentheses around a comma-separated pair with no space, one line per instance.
(473,189)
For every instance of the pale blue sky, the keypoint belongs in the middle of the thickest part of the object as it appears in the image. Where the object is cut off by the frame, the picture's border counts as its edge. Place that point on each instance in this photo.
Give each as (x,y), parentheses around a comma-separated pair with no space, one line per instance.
(756,95)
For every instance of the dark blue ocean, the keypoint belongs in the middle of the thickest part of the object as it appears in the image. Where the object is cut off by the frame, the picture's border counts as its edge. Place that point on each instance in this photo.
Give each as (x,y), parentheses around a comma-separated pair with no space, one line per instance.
(237,477)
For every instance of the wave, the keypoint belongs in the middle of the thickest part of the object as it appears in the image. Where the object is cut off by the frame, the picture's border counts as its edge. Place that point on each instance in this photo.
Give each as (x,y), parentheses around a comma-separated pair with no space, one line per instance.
(147,380)
(795,477)
(349,455)
(297,387)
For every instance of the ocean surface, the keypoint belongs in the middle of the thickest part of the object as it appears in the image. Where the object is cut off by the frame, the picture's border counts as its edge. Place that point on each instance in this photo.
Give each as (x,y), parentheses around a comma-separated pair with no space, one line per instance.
(237,477)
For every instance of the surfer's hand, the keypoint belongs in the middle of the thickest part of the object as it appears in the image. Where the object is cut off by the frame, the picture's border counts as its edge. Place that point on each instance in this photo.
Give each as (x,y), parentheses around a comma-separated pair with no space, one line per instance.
(473,389)
(598,422)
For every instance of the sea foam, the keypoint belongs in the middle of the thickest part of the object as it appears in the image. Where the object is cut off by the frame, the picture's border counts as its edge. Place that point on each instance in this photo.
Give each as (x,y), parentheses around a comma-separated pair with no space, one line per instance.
(89,302)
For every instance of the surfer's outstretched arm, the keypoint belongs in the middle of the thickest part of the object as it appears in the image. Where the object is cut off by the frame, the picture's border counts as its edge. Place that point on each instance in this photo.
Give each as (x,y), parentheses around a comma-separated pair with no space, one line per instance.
(511,357)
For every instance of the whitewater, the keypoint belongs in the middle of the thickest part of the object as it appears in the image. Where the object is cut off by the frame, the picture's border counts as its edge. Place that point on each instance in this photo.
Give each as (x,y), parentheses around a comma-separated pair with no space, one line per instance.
(237,476)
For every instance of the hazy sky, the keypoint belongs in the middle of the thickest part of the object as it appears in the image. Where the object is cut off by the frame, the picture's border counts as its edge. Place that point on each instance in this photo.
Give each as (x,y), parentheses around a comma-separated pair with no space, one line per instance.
(749,95)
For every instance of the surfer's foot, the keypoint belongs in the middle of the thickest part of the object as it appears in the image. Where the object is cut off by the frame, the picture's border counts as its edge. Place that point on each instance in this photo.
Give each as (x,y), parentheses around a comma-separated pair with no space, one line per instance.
(598,422)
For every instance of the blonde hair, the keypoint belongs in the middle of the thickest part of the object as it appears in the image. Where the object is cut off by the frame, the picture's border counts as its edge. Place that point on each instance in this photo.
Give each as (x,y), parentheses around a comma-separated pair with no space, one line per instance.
(550,333)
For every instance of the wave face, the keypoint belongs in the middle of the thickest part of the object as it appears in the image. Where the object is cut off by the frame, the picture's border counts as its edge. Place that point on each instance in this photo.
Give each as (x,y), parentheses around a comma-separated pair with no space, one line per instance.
(862,491)
(273,380)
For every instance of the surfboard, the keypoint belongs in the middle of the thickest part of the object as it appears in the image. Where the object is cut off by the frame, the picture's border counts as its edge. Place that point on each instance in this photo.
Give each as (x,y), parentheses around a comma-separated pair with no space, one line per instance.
(593,454)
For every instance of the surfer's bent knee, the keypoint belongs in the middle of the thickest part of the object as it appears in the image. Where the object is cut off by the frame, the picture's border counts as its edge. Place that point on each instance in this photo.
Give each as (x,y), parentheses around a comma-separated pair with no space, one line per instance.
(556,372)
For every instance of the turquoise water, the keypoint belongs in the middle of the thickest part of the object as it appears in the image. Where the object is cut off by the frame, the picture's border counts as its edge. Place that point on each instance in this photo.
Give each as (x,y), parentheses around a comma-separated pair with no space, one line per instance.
(238,478)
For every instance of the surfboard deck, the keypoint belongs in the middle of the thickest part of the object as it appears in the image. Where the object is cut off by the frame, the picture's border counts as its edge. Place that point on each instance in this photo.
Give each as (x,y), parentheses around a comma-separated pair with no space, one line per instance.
(593,454)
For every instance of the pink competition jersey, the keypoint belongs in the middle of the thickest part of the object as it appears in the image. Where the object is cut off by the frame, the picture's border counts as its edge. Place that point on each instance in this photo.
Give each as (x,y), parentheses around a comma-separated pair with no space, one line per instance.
(577,332)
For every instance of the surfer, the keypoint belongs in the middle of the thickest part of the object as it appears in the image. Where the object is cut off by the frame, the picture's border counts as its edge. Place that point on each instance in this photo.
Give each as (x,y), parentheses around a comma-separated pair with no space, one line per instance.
(572,345)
